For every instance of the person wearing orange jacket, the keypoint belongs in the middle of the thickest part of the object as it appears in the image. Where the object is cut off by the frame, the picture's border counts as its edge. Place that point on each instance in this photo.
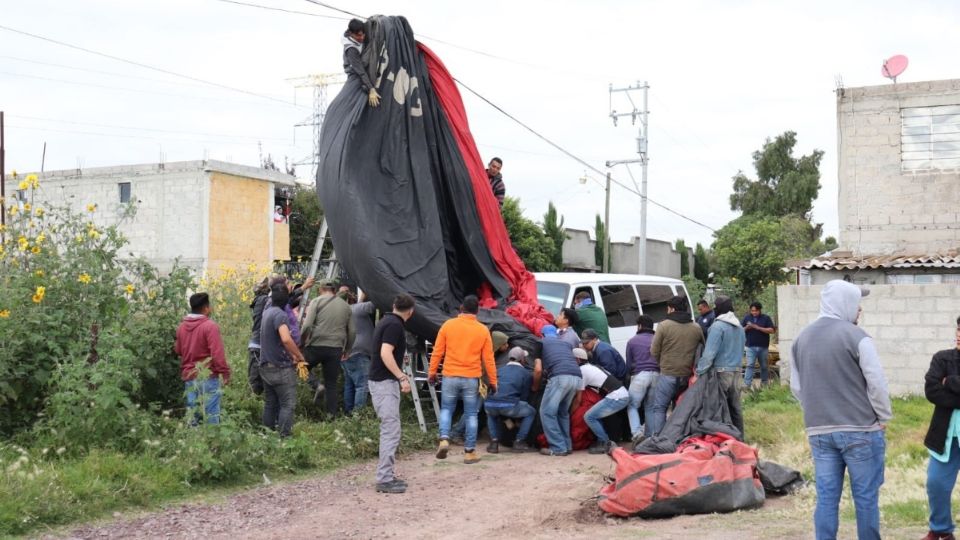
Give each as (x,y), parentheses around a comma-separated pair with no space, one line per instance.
(465,348)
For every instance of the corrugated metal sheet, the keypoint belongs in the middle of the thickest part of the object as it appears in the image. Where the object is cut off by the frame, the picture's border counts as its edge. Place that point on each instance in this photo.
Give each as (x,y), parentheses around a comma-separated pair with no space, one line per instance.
(949,259)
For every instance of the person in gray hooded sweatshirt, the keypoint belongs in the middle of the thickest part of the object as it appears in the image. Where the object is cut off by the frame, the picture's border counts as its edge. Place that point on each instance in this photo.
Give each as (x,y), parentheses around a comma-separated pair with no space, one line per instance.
(724,354)
(837,377)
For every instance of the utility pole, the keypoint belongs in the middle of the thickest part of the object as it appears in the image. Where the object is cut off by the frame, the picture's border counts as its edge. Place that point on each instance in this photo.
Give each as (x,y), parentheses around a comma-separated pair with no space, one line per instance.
(319,83)
(642,140)
(605,266)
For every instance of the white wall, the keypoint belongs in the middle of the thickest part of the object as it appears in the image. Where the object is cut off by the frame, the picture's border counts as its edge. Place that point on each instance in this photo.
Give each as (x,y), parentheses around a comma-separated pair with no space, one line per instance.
(909,323)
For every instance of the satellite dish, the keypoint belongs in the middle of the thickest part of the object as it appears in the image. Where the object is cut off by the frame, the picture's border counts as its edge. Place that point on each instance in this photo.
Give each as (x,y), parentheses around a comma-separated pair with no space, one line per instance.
(894,66)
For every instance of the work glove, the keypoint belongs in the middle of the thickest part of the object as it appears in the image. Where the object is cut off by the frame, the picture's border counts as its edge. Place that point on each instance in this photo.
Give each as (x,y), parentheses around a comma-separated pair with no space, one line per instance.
(302,371)
(373,98)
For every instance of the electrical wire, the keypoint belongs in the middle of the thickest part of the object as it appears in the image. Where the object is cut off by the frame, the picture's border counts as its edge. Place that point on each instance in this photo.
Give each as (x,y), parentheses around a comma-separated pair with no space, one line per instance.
(135,128)
(293,11)
(132,136)
(334,8)
(97,71)
(145,66)
(578,159)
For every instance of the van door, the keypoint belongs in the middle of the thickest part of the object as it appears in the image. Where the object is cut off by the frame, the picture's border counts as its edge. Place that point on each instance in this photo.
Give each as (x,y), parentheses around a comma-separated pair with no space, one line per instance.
(653,300)
(619,303)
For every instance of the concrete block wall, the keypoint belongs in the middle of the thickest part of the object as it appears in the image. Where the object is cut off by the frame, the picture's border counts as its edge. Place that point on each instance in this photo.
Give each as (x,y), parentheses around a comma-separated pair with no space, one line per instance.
(909,323)
(882,208)
(662,259)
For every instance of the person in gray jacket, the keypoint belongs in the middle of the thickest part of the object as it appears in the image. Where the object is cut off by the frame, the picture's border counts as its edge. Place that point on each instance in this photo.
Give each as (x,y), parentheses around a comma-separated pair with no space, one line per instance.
(357,365)
(724,354)
(837,377)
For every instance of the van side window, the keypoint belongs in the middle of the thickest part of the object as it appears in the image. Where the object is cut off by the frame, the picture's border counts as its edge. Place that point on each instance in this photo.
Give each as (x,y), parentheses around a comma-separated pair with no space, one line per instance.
(620,305)
(587,289)
(653,300)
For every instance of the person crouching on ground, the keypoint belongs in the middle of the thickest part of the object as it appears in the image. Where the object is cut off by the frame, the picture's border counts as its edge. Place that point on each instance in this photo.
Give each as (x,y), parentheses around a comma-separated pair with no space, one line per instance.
(563,381)
(510,401)
(466,349)
(615,399)
(389,345)
(942,388)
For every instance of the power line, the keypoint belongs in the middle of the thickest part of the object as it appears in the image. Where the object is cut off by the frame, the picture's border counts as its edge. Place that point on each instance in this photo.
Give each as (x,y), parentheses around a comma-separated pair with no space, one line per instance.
(145,66)
(134,128)
(293,11)
(132,136)
(328,6)
(98,72)
(577,159)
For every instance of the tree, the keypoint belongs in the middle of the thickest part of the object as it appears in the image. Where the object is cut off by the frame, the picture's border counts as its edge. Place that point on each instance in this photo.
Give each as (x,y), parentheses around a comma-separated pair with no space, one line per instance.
(305,218)
(533,246)
(701,265)
(601,233)
(553,228)
(754,249)
(784,184)
(681,247)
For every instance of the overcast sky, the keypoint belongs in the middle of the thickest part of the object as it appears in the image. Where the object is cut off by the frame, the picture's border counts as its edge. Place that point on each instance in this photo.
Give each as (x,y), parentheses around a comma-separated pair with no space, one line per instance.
(724,76)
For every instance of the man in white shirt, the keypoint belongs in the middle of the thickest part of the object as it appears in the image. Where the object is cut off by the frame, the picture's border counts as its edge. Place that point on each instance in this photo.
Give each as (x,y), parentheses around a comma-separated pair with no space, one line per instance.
(615,399)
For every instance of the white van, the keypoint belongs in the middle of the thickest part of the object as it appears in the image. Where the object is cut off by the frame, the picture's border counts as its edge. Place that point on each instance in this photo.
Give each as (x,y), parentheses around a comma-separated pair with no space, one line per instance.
(623,297)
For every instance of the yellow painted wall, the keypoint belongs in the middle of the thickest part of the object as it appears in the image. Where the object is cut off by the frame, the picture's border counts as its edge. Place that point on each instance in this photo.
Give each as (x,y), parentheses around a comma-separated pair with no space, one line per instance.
(239,223)
(281,242)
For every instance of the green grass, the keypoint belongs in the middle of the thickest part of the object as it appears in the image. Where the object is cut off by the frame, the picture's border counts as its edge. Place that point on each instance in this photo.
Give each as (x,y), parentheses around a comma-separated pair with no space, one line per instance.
(774,423)
(38,491)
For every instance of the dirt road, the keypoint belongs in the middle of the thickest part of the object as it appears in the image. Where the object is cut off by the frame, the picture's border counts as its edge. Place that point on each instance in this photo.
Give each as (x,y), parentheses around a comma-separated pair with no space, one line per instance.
(503,496)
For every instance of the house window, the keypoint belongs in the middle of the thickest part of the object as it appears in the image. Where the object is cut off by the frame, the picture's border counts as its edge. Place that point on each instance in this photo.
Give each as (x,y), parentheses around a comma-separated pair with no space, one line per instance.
(930,138)
(124,192)
(620,305)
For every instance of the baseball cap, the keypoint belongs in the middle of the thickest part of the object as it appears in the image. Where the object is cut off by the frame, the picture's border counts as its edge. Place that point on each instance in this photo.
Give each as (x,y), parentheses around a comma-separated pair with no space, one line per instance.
(499,338)
(327,284)
(549,330)
(589,334)
(580,354)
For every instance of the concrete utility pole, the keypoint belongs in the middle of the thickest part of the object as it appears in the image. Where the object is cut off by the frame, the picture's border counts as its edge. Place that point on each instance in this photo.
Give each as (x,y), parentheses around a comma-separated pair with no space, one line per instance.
(605,266)
(642,140)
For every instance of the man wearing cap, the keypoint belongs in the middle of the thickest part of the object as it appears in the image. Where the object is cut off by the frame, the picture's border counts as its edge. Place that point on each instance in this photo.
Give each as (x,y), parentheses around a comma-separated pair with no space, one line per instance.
(604,355)
(563,383)
(615,399)
(511,401)
(589,315)
(675,348)
(465,347)
(837,377)
(723,353)
(328,331)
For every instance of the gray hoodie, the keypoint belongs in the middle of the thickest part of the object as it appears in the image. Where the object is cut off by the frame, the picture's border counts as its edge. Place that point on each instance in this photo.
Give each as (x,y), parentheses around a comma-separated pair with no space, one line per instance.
(836,372)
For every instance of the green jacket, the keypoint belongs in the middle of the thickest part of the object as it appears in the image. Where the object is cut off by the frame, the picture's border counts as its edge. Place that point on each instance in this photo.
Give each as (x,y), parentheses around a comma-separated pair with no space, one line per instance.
(593,317)
(329,323)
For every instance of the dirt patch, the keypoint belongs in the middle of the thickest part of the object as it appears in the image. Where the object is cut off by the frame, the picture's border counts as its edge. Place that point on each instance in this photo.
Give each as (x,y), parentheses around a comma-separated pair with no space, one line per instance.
(503,496)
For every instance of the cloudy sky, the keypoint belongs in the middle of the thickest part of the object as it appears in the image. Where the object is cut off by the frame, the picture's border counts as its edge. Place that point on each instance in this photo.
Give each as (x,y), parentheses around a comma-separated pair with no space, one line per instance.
(724,76)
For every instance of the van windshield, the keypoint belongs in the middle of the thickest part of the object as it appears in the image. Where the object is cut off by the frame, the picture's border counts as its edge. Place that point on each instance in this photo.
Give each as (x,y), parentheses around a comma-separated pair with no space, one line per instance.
(552,295)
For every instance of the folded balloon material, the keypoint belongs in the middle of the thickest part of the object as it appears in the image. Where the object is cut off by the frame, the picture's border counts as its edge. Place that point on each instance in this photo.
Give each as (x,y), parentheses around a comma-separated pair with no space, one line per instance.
(406,195)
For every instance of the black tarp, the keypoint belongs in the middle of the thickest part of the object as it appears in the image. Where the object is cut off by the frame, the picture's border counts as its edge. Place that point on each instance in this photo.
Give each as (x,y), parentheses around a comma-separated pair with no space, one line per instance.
(396,194)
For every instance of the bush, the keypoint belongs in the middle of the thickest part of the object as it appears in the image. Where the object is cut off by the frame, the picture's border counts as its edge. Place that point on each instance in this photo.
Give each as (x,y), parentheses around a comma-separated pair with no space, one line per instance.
(63,289)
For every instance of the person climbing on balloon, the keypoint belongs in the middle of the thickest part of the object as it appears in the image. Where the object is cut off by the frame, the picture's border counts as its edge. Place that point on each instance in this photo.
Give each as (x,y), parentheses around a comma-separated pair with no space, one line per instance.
(352,42)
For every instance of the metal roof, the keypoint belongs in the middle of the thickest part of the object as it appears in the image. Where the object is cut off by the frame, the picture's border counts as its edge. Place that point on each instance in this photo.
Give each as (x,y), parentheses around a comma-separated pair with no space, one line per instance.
(847,261)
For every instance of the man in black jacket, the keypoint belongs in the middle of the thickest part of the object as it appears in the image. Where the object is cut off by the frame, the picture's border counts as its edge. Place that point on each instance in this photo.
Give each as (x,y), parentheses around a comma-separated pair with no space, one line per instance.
(942,387)
(352,42)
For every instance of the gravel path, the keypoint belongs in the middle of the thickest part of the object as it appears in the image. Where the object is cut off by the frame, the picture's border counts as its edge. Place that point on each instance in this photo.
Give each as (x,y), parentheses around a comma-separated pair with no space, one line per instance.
(504,496)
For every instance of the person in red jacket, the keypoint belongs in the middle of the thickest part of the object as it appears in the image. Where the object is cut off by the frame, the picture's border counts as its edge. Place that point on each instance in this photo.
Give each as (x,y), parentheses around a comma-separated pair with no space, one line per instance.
(199,345)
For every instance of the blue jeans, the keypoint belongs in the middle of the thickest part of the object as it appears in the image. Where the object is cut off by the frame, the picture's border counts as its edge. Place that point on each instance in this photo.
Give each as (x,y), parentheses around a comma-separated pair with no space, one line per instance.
(521,410)
(941,477)
(555,411)
(642,387)
(460,426)
(602,409)
(453,389)
(861,453)
(210,400)
(755,354)
(662,396)
(355,370)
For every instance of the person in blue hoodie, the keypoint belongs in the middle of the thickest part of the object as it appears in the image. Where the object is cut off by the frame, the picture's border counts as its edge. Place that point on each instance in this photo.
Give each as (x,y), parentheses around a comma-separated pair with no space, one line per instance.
(837,377)
(723,353)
